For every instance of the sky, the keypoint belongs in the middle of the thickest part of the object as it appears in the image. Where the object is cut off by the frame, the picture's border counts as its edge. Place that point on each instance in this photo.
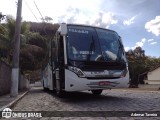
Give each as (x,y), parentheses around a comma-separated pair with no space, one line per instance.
(136,21)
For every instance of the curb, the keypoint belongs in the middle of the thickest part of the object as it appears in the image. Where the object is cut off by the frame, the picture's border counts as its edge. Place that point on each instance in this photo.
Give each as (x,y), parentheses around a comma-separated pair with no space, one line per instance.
(140,90)
(14,102)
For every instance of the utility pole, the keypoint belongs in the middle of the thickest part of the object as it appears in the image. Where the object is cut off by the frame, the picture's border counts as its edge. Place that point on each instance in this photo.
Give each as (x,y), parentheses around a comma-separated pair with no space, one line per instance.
(15,60)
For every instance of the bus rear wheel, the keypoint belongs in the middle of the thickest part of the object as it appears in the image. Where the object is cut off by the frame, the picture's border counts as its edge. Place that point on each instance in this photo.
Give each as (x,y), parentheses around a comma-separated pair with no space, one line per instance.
(96,92)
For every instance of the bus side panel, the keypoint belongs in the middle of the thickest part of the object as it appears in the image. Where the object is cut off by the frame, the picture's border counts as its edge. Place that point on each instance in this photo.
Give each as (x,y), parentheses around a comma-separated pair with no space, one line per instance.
(44,77)
(50,81)
(47,77)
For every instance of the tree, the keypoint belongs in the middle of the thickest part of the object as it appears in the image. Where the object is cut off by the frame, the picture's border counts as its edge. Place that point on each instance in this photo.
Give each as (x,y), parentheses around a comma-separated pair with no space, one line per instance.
(137,64)
(32,46)
(152,62)
(7,35)
(47,19)
(33,52)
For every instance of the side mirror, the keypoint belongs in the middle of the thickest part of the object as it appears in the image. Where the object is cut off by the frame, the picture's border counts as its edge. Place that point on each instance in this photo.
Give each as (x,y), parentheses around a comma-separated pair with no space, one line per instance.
(63,29)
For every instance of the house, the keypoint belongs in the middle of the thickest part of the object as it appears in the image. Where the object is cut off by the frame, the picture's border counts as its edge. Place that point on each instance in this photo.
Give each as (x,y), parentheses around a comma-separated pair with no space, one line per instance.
(153,76)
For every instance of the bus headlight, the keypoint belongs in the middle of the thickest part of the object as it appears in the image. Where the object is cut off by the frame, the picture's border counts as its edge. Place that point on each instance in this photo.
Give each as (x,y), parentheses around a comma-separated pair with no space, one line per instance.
(77,71)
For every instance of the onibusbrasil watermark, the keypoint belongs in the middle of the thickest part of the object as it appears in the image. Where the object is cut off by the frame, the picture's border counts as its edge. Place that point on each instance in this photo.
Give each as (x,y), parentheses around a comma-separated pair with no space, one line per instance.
(8,113)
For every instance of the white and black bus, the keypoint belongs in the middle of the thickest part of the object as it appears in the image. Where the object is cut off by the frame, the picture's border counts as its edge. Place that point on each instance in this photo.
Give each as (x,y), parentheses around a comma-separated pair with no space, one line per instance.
(85,58)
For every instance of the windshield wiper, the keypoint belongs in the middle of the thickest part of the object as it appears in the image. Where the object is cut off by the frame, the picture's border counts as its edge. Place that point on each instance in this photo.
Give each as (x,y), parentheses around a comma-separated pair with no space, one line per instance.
(91,48)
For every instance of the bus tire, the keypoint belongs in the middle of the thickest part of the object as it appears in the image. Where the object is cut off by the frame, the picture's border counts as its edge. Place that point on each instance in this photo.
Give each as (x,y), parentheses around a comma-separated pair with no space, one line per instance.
(60,93)
(96,92)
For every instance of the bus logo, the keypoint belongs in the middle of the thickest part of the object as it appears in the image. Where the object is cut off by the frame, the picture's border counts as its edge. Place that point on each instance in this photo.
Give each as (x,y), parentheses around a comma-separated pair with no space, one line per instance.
(7,113)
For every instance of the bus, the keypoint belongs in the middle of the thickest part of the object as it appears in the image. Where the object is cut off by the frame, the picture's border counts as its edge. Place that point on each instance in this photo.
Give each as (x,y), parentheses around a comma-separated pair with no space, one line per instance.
(83,57)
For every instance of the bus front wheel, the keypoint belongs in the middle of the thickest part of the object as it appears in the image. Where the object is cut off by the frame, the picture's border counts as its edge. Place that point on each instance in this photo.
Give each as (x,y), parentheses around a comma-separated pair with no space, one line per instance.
(97,92)
(59,92)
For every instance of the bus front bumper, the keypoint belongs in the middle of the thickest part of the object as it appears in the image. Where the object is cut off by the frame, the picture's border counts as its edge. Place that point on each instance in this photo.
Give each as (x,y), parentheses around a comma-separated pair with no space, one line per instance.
(75,83)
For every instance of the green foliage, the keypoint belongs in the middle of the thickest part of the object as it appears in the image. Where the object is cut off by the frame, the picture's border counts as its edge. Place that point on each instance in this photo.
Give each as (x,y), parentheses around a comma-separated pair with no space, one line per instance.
(7,32)
(31,57)
(36,39)
(152,62)
(10,27)
(25,27)
(45,29)
(33,47)
(139,63)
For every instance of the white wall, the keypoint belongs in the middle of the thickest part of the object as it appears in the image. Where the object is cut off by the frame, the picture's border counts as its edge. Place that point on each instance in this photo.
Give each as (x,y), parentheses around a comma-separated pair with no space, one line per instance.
(154,75)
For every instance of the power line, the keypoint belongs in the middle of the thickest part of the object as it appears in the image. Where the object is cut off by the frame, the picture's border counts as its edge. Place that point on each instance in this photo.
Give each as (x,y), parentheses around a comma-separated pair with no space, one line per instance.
(31,10)
(38,10)
(41,16)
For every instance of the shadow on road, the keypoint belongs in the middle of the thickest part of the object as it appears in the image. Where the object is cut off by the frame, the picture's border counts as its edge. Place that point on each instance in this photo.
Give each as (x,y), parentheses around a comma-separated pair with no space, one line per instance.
(80,97)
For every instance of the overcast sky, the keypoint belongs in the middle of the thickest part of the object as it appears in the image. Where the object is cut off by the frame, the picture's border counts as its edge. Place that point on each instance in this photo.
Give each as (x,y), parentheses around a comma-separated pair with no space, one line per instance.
(136,21)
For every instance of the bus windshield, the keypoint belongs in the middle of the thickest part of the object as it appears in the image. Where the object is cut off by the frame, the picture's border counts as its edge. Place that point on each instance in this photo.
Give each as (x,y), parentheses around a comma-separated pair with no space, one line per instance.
(92,44)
